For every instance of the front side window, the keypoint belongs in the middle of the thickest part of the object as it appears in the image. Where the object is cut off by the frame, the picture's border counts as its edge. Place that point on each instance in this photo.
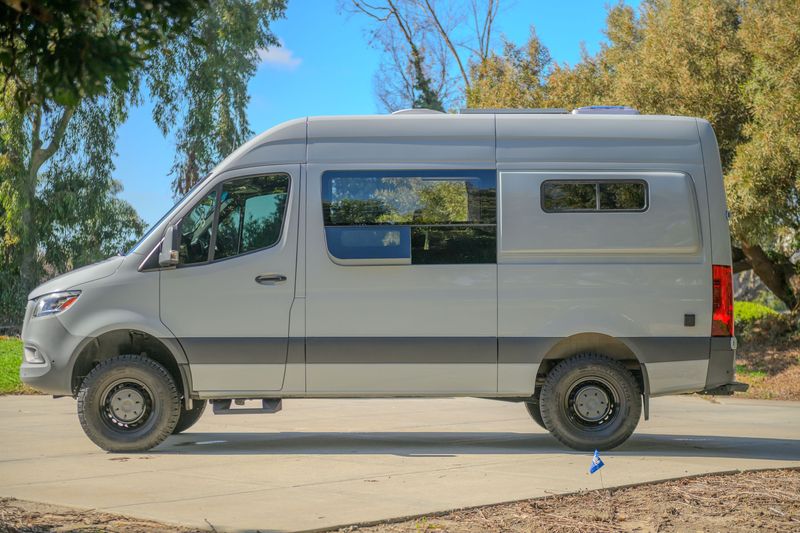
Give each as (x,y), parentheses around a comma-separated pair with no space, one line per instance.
(246,214)
(410,217)
(195,231)
(250,214)
(560,196)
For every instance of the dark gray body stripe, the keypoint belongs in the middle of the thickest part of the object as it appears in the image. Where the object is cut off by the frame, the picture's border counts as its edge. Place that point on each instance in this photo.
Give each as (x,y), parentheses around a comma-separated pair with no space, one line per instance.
(525,350)
(721,364)
(647,349)
(668,349)
(236,350)
(421,350)
(414,350)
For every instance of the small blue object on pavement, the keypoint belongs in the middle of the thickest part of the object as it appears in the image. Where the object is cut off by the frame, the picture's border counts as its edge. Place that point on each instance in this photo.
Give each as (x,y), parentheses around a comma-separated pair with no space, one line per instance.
(597,463)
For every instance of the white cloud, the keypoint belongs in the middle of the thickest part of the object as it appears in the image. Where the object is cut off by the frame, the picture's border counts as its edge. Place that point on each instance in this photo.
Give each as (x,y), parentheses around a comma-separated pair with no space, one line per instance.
(279,57)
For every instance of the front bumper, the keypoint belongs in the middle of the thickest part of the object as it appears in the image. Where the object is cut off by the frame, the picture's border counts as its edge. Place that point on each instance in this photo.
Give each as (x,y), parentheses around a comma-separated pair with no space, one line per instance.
(48,336)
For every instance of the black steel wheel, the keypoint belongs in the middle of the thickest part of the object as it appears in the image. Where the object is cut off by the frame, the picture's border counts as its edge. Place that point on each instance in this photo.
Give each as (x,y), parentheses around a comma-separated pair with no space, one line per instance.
(128,403)
(590,402)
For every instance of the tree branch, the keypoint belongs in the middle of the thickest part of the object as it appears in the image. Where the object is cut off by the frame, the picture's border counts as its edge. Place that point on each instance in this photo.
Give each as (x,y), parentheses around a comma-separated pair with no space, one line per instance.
(365,9)
(403,26)
(740,261)
(40,155)
(448,42)
(775,276)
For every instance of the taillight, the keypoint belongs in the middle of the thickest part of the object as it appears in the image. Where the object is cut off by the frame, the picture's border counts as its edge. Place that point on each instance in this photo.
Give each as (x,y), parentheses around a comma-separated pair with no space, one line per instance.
(722,310)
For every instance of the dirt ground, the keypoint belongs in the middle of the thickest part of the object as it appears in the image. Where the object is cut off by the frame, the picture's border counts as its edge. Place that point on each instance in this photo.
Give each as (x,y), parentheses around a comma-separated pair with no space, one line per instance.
(773,371)
(18,516)
(754,501)
(751,501)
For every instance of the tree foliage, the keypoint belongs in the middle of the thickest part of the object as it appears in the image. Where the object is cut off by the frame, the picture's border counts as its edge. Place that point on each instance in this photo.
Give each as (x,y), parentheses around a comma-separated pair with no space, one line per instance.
(71,70)
(735,63)
(199,83)
(78,47)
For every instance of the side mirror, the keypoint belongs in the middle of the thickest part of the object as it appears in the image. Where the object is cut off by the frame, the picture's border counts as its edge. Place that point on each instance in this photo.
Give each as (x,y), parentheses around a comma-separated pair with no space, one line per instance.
(168,256)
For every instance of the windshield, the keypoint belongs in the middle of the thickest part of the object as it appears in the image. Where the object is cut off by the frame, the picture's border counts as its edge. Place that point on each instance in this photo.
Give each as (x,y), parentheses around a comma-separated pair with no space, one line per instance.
(167,215)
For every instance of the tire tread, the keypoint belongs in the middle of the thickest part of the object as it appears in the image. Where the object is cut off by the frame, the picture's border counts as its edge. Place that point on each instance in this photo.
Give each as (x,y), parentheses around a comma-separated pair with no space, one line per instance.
(171,407)
(548,401)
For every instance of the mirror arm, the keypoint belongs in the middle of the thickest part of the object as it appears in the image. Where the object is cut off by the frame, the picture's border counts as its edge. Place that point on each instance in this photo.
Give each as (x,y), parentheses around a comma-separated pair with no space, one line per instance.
(168,256)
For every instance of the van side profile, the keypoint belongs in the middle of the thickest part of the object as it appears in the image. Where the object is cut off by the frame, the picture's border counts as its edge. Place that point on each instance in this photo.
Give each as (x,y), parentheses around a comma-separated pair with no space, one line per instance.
(578,263)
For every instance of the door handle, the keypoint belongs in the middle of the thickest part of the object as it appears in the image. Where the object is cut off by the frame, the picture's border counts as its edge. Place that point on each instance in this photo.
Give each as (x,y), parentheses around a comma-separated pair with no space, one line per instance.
(270,279)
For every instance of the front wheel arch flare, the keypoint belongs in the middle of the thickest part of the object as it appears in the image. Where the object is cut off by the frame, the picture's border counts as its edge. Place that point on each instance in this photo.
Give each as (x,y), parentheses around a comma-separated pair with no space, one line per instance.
(127,341)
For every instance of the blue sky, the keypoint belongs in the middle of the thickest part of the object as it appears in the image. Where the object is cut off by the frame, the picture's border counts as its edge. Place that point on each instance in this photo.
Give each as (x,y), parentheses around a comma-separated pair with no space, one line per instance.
(326,67)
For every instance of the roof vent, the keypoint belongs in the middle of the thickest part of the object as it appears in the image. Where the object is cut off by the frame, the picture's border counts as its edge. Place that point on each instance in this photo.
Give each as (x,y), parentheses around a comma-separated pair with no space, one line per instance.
(605,110)
(417,111)
(510,111)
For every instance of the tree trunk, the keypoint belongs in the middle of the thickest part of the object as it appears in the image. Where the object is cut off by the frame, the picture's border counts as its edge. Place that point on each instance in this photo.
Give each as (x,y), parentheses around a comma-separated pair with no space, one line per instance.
(39,154)
(28,237)
(781,277)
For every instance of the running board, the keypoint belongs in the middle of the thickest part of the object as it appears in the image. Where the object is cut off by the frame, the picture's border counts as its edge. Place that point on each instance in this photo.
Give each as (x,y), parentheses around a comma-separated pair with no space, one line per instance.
(225,407)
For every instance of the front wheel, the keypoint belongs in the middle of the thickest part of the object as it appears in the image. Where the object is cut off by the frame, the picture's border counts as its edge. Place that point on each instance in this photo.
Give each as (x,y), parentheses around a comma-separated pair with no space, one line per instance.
(128,403)
(189,417)
(590,402)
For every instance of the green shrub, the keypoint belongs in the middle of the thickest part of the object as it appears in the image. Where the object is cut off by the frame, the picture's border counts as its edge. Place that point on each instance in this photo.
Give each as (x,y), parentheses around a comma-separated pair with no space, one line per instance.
(757,324)
(10,359)
(747,312)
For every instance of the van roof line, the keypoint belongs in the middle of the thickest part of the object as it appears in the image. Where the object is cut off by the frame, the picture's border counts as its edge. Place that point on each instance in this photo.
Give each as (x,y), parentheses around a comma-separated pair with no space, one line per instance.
(514,111)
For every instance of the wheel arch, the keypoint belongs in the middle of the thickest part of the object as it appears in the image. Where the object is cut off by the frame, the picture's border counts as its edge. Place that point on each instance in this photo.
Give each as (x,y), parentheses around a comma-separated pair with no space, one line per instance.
(601,343)
(132,340)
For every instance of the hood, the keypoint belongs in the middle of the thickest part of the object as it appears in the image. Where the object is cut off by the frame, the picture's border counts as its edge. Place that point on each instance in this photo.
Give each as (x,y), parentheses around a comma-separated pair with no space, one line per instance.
(79,276)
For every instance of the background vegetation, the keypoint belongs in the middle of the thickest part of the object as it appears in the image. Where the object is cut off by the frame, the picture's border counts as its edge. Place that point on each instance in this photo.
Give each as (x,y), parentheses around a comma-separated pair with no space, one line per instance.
(70,70)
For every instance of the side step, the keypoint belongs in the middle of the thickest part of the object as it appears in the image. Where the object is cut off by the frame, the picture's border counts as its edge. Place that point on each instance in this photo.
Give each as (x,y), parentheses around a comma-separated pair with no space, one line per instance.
(727,390)
(225,407)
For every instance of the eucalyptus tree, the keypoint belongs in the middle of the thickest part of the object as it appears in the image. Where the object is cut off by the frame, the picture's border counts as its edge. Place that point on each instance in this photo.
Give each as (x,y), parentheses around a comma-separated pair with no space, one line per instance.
(733,62)
(71,70)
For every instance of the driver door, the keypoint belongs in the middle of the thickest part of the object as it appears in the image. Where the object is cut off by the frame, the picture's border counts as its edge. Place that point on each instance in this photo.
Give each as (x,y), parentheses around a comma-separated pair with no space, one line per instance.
(229,298)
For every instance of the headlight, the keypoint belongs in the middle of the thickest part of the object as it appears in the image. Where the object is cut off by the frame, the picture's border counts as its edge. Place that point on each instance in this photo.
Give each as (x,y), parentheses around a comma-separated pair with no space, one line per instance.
(54,303)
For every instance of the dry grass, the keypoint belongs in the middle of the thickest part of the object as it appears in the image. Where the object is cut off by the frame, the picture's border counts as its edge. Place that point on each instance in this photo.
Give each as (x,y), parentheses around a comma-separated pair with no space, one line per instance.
(772,370)
(752,501)
(19,516)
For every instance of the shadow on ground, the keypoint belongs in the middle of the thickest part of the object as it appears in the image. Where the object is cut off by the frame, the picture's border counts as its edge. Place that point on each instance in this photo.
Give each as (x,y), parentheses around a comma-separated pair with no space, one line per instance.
(443,444)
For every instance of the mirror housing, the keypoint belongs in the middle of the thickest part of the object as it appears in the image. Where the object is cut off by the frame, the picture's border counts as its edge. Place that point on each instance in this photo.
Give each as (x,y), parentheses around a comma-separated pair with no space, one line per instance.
(168,256)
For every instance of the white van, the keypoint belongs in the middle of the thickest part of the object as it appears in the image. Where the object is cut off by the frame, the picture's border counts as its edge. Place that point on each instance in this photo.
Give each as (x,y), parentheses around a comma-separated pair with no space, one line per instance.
(579,263)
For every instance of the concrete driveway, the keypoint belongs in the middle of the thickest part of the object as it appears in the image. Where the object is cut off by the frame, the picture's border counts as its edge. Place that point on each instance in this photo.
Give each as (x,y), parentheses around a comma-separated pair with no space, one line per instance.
(321,463)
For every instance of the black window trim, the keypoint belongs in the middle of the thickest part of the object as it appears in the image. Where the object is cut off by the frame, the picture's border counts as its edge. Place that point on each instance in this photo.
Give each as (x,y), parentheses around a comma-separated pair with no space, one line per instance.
(596,183)
(425,174)
(217,190)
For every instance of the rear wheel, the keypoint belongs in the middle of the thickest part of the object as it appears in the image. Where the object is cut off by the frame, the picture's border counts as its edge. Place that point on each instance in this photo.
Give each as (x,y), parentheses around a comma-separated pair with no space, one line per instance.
(189,417)
(590,402)
(128,403)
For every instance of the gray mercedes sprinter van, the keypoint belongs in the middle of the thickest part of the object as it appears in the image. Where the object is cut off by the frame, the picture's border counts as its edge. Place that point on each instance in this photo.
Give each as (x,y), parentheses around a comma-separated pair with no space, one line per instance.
(578,263)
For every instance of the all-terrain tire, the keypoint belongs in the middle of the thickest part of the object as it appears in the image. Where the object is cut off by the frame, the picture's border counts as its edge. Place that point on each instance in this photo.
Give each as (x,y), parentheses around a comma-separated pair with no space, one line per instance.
(535,411)
(574,390)
(189,417)
(134,386)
